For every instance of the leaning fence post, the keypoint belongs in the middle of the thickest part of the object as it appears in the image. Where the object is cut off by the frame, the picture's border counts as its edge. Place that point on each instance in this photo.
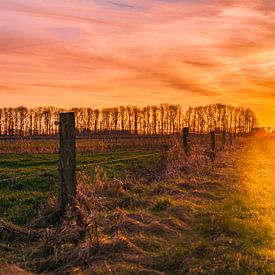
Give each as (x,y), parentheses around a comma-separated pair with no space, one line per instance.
(67,162)
(185,132)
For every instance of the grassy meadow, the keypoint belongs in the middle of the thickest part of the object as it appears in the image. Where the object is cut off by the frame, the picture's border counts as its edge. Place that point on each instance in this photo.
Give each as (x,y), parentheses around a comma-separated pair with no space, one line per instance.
(27,181)
(181,216)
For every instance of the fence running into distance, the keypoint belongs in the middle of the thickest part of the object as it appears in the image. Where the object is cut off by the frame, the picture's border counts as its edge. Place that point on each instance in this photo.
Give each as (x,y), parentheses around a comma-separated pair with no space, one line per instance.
(110,143)
(69,145)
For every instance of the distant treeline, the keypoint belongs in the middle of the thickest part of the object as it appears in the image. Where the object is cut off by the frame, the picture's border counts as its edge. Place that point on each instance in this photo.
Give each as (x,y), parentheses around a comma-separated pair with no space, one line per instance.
(161,119)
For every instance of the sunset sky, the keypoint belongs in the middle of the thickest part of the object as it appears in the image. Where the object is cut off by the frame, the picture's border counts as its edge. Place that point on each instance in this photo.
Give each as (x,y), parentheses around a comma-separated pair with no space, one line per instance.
(102,53)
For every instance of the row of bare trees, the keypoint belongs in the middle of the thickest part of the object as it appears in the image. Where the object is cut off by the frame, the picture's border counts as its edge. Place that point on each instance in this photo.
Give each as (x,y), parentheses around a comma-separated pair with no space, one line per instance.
(161,119)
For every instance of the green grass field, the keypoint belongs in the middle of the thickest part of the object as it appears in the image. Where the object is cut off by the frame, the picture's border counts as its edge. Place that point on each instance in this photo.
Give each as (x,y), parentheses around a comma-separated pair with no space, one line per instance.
(206,220)
(27,181)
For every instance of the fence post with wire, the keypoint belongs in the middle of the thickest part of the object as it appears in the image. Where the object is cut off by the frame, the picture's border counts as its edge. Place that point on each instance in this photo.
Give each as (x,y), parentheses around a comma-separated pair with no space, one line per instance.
(67,162)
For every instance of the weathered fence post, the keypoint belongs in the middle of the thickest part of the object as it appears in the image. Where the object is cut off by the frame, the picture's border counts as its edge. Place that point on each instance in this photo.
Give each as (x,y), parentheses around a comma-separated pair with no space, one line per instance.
(213,141)
(213,146)
(223,139)
(230,139)
(185,132)
(67,162)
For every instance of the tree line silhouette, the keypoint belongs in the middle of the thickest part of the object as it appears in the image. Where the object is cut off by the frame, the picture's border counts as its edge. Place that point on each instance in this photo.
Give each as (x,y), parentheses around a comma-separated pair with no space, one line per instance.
(154,119)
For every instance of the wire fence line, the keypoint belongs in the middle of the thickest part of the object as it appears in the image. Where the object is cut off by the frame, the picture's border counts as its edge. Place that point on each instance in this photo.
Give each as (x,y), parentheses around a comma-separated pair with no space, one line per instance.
(103,136)
(105,143)
(195,137)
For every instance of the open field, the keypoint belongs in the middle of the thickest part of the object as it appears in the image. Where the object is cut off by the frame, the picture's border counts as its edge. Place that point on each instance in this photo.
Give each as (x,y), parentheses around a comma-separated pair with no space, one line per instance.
(29,167)
(137,137)
(29,180)
(190,218)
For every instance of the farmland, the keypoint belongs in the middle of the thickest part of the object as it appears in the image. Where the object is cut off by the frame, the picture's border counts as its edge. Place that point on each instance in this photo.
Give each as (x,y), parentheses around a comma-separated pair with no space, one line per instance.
(29,167)
(123,202)
(29,180)
(137,137)
(181,215)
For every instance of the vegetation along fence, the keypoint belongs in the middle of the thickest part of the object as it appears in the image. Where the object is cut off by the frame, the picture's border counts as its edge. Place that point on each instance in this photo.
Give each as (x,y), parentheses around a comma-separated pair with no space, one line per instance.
(71,142)
(67,156)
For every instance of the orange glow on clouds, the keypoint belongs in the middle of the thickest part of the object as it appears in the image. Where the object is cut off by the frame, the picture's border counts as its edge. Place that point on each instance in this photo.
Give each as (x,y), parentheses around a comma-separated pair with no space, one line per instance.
(113,52)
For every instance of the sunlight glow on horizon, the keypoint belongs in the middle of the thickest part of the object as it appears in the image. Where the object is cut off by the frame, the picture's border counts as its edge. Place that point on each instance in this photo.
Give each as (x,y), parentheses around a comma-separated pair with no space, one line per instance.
(109,53)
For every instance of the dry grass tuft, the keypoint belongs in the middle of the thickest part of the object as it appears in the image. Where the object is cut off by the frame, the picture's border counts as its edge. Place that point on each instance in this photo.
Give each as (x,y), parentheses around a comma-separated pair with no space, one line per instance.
(179,164)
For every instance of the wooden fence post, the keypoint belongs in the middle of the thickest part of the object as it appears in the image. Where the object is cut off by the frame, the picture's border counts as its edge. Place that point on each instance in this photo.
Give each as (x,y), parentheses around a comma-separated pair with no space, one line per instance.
(185,132)
(213,146)
(213,141)
(230,139)
(67,162)
(223,139)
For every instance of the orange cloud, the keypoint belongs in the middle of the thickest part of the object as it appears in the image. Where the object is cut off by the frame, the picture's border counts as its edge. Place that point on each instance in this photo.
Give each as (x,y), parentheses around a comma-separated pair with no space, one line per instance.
(102,53)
